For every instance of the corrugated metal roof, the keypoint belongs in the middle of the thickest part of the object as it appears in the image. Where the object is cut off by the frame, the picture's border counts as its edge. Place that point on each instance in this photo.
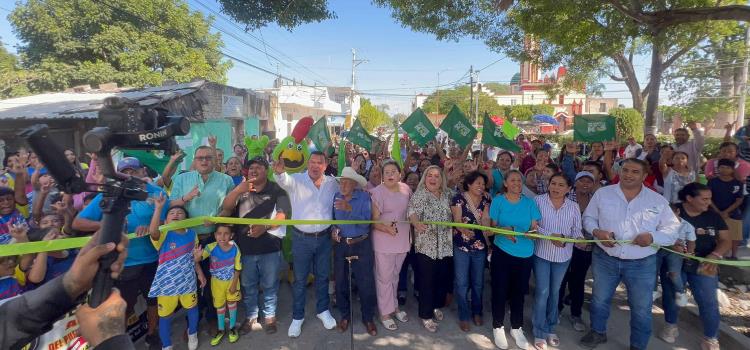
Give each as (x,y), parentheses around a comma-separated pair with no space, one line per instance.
(85,105)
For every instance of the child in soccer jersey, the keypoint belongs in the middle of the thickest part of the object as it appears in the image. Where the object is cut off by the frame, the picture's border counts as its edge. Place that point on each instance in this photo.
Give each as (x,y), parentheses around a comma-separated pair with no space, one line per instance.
(12,279)
(175,280)
(225,269)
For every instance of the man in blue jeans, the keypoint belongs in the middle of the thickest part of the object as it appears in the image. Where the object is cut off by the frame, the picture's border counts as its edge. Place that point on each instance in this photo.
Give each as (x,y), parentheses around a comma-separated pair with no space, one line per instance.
(626,211)
(311,194)
(260,245)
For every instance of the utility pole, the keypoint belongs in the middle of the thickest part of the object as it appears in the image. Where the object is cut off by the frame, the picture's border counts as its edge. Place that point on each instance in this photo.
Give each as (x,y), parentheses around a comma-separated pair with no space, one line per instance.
(743,79)
(355,63)
(471,90)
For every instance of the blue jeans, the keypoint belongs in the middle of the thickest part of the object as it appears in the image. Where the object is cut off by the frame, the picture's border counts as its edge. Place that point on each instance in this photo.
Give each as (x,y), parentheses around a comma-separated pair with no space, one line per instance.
(704,291)
(310,253)
(548,277)
(673,265)
(639,277)
(468,269)
(260,272)
(746,221)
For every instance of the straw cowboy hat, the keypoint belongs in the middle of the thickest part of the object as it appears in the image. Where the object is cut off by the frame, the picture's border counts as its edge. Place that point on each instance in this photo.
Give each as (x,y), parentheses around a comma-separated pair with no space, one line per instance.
(349,173)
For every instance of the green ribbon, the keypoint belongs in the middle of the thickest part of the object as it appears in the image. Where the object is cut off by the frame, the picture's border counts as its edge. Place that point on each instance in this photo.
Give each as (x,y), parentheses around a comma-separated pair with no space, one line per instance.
(78,242)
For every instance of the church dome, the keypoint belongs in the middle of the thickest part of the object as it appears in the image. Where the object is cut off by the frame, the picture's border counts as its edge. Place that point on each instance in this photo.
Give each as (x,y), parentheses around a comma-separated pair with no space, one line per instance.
(516,80)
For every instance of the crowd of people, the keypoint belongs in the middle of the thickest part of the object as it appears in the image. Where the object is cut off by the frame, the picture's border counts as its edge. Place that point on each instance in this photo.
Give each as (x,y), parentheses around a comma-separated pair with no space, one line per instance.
(632,198)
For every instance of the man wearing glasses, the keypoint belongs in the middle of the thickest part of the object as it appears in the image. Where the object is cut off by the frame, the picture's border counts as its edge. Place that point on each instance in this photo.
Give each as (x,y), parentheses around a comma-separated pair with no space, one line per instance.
(201,192)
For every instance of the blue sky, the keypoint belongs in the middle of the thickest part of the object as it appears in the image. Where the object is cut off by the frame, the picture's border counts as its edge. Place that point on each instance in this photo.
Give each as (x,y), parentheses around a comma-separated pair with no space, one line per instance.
(399,61)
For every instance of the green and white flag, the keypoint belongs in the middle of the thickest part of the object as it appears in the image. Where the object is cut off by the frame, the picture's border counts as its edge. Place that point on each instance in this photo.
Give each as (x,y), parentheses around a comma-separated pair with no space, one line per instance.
(419,128)
(359,136)
(493,135)
(594,127)
(458,127)
(320,136)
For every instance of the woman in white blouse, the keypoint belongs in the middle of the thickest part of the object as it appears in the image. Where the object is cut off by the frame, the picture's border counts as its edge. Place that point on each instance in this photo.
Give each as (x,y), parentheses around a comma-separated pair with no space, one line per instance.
(560,218)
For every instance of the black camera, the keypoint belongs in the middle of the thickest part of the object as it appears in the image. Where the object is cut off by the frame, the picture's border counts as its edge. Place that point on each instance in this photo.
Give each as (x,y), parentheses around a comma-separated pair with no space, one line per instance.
(124,124)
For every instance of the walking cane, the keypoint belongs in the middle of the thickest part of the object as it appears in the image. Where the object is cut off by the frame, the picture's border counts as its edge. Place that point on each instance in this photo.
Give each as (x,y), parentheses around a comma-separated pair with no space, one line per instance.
(351,304)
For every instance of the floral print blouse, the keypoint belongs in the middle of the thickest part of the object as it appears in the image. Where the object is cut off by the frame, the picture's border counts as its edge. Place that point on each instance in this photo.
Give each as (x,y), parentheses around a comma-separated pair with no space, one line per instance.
(470,215)
(436,241)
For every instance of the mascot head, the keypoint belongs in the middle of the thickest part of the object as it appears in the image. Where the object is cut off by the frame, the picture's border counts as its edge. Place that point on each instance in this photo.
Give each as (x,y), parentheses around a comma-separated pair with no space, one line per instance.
(293,149)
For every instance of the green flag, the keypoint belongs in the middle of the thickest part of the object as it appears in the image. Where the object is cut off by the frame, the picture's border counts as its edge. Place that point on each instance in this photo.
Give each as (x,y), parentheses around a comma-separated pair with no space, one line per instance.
(593,127)
(342,156)
(458,127)
(396,147)
(359,136)
(319,135)
(156,161)
(509,130)
(492,135)
(419,128)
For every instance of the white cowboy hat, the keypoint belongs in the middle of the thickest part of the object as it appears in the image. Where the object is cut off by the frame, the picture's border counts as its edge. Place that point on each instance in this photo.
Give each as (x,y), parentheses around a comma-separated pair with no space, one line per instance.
(349,173)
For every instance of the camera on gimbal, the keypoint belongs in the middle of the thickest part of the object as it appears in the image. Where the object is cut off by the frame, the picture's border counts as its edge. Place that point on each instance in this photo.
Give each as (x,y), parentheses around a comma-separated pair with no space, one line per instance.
(124,124)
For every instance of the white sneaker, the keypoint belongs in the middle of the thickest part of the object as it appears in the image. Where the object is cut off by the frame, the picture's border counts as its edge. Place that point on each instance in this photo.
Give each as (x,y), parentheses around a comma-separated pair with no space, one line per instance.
(192,341)
(681,299)
(656,294)
(520,339)
(669,333)
(328,321)
(167,347)
(500,340)
(295,328)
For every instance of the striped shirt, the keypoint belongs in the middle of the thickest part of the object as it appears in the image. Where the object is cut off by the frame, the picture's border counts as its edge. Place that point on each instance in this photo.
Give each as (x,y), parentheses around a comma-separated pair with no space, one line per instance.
(565,221)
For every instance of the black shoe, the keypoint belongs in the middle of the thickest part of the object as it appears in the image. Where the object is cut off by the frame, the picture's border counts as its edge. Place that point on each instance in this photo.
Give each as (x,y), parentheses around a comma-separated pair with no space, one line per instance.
(153,341)
(592,339)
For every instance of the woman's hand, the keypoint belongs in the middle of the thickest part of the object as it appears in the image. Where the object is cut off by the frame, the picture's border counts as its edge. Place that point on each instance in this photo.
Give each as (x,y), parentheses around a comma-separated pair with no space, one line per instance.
(556,243)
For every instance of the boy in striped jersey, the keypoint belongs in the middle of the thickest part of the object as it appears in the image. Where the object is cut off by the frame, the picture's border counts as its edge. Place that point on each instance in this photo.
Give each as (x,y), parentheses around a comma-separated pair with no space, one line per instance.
(225,269)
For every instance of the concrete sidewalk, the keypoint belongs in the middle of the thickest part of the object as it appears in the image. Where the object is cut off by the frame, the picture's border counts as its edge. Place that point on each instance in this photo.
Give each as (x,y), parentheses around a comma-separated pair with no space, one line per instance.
(412,335)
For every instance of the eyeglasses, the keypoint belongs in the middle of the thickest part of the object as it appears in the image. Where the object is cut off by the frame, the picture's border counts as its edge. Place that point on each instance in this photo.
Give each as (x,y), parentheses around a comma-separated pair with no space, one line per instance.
(206,158)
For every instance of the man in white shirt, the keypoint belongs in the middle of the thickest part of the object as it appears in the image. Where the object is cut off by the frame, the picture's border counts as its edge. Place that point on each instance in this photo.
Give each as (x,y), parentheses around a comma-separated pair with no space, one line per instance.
(633,149)
(311,194)
(627,211)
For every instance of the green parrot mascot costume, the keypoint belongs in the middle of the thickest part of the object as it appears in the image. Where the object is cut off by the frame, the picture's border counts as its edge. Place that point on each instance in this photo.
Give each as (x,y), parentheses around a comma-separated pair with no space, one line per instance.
(295,153)
(255,146)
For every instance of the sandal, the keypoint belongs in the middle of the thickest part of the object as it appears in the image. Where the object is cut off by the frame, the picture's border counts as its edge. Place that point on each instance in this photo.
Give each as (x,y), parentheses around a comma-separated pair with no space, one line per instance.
(553,340)
(540,344)
(438,314)
(402,316)
(389,324)
(430,325)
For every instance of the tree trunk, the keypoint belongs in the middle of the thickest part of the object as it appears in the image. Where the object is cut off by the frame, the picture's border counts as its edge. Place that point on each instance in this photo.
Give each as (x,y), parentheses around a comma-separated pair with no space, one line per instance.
(630,79)
(657,68)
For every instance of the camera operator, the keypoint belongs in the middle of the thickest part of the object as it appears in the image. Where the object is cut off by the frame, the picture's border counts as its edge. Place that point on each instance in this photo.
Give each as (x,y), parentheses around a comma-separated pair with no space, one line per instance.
(33,313)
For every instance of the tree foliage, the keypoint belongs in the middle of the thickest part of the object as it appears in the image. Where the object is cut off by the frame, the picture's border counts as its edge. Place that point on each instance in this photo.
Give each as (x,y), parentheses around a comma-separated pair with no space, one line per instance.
(131,42)
(526,112)
(592,38)
(461,96)
(498,88)
(370,116)
(13,79)
(629,122)
(286,13)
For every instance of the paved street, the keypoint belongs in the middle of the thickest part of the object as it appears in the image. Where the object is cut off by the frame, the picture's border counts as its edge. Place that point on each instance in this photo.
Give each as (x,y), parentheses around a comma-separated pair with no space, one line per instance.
(449,337)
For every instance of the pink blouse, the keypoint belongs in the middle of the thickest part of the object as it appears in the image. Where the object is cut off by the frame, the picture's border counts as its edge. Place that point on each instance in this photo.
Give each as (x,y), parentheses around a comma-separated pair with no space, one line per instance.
(392,207)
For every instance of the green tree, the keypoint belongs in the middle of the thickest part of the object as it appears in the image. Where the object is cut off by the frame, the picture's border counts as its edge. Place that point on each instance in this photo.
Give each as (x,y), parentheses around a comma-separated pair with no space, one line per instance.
(542,109)
(286,13)
(13,79)
(498,88)
(592,38)
(370,116)
(520,113)
(461,96)
(629,122)
(131,42)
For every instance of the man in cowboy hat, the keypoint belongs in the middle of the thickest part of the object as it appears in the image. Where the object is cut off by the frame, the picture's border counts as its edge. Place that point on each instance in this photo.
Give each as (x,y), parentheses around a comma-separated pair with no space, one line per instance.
(353,203)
